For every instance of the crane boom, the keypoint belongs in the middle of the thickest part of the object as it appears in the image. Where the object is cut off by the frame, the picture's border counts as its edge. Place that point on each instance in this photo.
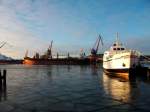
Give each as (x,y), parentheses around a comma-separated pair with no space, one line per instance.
(2,44)
(97,43)
(51,44)
(50,47)
(94,50)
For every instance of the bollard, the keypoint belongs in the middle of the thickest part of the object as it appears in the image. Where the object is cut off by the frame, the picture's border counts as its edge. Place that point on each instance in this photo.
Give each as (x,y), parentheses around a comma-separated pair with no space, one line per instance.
(3,86)
(4,78)
(1,80)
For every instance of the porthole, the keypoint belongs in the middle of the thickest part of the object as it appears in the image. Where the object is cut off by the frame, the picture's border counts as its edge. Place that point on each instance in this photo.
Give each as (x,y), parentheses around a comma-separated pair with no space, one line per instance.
(123,64)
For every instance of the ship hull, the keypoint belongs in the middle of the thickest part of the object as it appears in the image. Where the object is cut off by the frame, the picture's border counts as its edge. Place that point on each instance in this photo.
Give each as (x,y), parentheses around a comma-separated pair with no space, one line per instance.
(121,62)
(116,70)
(65,61)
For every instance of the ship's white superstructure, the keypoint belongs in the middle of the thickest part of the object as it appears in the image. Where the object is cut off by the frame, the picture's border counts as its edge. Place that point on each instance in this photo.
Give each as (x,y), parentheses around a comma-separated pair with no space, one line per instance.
(118,58)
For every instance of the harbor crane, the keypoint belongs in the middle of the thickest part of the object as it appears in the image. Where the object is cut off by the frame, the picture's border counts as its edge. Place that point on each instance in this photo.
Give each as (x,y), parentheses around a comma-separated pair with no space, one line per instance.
(49,51)
(46,55)
(94,50)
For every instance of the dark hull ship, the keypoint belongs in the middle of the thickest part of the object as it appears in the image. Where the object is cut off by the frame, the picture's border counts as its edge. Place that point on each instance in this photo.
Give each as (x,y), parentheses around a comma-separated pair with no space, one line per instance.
(47,59)
(59,61)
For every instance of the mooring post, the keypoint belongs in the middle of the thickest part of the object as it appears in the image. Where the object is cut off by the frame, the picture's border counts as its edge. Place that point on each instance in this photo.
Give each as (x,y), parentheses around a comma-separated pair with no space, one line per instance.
(4,78)
(3,86)
(68,55)
(1,80)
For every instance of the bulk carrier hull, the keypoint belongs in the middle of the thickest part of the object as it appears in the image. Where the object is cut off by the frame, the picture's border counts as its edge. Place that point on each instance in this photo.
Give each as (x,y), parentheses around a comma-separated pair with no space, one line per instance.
(63,61)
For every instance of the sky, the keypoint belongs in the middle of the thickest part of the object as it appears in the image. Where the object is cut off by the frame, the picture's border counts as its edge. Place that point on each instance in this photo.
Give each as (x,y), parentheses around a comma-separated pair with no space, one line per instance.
(72,25)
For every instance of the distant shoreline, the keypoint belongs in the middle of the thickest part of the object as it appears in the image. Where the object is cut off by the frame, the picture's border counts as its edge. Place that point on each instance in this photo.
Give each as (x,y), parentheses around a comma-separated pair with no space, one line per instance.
(3,62)
(20,61)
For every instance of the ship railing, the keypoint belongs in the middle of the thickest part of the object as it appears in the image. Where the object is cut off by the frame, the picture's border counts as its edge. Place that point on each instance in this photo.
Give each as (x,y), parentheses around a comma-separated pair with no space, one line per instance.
(129,50)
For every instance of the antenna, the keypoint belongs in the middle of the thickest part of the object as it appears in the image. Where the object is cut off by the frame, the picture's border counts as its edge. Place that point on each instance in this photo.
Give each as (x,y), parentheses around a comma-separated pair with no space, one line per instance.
(117,38)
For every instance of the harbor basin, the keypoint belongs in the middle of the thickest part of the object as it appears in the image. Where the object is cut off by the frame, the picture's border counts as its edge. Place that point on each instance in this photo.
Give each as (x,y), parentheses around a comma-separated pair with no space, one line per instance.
(72,88)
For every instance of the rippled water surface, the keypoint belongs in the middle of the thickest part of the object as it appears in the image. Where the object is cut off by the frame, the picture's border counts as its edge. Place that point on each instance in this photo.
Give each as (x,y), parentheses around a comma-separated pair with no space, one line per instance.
(72,89)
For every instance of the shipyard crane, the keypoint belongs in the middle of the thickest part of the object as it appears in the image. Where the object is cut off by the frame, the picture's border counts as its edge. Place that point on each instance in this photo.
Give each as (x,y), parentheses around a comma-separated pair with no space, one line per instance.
(49,52)
(51,45)
(2,44)
(94,50)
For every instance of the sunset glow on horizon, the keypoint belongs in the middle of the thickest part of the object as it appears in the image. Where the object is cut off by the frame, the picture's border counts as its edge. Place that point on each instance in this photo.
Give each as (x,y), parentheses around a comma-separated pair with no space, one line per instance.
(72,25)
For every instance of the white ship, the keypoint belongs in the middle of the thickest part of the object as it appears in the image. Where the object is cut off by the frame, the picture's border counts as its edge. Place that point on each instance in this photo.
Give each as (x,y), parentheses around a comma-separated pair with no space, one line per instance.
(119,59)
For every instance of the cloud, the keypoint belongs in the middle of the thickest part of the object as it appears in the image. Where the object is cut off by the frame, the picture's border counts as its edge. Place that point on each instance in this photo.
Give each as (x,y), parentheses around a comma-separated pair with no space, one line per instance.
(32,24)
(21,22)
(15,33)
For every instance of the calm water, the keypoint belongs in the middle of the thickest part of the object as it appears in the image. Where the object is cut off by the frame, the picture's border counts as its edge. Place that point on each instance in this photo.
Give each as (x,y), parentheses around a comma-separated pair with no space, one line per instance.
(72,88)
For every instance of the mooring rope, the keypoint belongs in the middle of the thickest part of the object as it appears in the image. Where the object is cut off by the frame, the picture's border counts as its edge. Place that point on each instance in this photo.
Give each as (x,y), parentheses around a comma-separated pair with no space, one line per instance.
(146,57)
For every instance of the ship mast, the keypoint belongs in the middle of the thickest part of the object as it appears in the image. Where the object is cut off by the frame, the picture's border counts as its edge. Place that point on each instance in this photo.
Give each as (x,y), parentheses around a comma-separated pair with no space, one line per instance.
(117,39)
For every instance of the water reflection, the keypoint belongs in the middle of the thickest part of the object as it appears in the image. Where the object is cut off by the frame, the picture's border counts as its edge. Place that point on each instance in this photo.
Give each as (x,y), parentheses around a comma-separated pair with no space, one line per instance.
(86,87)
(94,70)
(3,93)
(124,87)
(116,88)
(68,68)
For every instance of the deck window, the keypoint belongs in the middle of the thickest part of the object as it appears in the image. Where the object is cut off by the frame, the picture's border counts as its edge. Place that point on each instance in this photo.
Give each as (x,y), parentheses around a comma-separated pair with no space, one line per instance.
(122,48)
(118,48)
(114,48)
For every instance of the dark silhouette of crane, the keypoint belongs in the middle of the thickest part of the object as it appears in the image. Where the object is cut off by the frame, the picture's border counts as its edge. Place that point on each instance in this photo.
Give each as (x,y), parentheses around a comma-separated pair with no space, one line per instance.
(94,57)
(46,55)
(94,50)
(49,51)
(2,44)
